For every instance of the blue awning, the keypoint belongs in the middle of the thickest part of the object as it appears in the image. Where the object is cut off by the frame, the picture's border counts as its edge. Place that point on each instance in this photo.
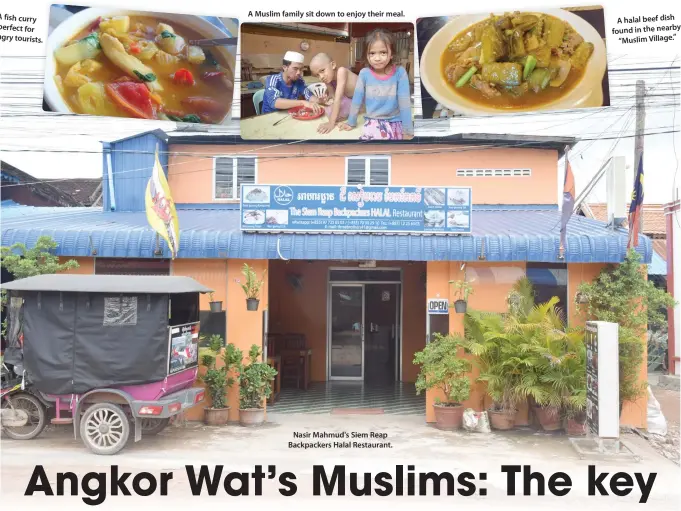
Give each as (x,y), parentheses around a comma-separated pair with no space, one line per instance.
(500,233)
(547,276)
(657,266)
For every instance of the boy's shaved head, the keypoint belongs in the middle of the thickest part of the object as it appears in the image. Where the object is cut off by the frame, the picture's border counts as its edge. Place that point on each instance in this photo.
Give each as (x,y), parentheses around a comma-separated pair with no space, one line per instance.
(323,67)
(320,59)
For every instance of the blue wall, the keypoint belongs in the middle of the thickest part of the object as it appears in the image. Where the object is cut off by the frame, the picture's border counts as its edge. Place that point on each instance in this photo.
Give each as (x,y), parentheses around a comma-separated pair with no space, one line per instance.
(132,161)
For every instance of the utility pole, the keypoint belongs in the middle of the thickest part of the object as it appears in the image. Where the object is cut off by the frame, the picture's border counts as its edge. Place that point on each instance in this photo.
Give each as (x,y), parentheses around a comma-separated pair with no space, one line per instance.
(640,129)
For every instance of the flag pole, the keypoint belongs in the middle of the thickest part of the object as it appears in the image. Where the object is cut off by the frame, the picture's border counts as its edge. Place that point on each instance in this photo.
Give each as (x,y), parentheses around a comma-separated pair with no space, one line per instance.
(639,140)
(561,254)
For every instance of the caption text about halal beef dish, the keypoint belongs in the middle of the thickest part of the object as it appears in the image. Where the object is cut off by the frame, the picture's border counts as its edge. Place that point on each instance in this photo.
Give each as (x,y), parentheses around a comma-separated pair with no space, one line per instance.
(95,487)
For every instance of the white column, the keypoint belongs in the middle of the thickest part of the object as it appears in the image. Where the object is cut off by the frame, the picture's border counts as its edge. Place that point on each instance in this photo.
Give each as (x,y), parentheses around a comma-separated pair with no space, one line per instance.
(676,263)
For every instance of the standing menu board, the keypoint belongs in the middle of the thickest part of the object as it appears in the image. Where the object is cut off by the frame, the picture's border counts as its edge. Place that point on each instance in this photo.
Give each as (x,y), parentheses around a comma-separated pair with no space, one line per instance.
(602,378)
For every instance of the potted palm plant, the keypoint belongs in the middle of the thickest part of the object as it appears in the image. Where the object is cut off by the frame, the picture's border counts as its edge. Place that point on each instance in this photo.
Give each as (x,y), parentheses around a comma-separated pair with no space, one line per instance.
(444,369)
(547,345)
(215,306)
(255,386)
(462,290)
(252,287)
(557,378)
(218,379)
(574,382)
(500,361)
(502,344)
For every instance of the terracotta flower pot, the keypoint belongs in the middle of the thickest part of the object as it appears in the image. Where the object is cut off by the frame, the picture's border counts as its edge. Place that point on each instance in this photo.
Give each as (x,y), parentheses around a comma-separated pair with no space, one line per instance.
(549,417)
(216,416)
(576,427)
(251,416)
(502,419)
(448,417)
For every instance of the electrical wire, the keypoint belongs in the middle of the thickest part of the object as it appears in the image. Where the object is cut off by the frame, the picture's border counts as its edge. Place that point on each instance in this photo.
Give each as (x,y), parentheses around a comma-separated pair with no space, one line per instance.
(266,159)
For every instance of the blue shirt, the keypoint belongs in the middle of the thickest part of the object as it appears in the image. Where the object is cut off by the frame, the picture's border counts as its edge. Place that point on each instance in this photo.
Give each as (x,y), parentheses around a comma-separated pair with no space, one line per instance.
(276,88)
(387,99)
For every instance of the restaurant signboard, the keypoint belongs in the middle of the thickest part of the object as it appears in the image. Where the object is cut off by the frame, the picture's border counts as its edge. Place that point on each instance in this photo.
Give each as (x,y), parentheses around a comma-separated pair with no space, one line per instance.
(390,209)
(602,379)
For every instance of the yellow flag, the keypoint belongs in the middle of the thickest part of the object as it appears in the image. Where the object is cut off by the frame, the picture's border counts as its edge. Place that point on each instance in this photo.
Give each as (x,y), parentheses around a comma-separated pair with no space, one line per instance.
(160,207)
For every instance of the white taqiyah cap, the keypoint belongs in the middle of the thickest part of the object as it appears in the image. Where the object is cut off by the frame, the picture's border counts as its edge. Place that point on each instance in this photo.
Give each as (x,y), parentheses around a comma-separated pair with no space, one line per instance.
(293,56)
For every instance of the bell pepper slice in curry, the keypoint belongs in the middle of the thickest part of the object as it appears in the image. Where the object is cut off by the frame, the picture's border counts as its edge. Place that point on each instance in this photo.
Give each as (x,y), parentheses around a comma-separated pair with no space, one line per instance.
(132,97)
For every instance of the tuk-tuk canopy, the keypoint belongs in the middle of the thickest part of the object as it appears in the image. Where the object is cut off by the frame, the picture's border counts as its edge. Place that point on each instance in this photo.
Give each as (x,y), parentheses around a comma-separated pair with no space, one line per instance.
(82,332)
(149,284)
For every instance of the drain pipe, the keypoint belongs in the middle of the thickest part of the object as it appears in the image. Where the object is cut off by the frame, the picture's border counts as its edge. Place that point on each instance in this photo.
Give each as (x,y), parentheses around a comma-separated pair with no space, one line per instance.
(279,249)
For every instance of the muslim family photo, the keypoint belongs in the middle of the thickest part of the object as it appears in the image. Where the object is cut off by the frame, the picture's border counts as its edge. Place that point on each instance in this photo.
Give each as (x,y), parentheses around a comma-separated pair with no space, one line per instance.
(327,81)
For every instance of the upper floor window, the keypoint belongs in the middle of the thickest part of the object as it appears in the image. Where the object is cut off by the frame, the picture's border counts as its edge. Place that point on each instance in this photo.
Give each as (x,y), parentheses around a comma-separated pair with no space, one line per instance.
(229,173)
(367,170)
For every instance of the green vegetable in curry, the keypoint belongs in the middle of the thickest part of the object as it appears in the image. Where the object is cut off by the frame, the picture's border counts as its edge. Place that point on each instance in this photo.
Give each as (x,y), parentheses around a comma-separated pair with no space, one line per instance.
(516,61)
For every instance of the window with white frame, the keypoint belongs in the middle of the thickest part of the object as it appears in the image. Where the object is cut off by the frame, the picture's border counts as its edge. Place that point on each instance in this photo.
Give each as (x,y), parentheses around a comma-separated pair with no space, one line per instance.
(230,172)
(367,170)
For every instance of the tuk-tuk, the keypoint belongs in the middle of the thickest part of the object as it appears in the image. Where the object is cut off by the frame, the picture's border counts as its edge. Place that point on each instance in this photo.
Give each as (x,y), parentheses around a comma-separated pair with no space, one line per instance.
(105,353)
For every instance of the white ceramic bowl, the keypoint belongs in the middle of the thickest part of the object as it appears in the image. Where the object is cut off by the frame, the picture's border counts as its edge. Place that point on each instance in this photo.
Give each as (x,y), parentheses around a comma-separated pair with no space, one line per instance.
(74,24)
(587,93)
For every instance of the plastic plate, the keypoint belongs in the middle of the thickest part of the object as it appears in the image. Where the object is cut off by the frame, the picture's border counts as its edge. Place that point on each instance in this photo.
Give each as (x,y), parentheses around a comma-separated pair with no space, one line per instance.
(302,113)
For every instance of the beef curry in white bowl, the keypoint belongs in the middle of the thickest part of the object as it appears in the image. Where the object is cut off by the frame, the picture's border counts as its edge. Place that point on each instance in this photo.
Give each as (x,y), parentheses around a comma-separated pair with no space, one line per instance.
(515,62)
(141,65)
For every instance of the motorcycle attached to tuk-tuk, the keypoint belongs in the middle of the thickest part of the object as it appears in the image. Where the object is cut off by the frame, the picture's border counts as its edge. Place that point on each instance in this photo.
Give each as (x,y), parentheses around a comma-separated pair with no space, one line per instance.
(108,354)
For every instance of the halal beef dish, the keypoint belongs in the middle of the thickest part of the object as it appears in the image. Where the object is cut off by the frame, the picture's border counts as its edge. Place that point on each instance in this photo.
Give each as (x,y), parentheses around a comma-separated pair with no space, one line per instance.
(133,66)
(516,61)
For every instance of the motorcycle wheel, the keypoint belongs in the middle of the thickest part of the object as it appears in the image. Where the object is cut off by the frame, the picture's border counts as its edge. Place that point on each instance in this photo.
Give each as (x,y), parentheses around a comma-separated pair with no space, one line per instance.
(37,416)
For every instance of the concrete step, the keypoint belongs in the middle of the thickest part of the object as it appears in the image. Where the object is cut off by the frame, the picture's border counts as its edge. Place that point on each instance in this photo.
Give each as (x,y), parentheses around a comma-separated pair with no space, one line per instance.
(670,382)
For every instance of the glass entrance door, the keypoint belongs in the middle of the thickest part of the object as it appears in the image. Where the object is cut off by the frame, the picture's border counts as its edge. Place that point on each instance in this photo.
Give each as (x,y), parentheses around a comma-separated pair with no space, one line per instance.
(347,332)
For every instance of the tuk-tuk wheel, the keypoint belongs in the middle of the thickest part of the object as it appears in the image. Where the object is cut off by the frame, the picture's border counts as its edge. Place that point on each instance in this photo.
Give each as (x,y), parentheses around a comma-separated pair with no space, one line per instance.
(153,426)
(104,428)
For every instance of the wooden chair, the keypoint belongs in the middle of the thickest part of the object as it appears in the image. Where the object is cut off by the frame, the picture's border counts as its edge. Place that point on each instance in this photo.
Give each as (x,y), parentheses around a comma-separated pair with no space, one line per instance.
(292,364)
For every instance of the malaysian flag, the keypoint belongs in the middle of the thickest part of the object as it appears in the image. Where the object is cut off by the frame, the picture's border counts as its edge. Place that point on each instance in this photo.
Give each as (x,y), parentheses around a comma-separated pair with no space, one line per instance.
(636,206)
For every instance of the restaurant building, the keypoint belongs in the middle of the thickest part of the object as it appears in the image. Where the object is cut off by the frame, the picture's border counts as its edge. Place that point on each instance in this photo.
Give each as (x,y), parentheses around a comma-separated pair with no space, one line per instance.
(357,294)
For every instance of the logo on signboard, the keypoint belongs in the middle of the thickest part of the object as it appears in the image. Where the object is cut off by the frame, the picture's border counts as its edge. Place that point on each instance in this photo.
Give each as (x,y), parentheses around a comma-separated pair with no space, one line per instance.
(283,195)
(438,306)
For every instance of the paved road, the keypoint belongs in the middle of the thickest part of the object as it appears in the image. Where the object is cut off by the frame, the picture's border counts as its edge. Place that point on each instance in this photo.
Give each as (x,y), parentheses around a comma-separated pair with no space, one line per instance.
(411,443)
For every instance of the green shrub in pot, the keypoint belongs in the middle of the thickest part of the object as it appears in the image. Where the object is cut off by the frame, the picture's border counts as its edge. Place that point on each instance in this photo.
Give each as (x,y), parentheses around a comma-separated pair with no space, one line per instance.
(218,379)
(443,368)
(252,287)
(255,386)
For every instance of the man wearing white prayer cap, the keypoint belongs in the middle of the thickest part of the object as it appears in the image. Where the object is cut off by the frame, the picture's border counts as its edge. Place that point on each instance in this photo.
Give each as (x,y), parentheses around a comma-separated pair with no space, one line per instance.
(285,89)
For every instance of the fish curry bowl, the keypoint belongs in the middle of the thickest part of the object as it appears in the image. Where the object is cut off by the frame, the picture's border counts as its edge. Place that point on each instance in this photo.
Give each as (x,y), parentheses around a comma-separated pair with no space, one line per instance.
(123,63)
(515,62)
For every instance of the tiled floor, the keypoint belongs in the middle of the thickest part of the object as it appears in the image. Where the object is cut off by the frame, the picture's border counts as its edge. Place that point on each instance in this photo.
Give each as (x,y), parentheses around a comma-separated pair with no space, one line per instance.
(325,397)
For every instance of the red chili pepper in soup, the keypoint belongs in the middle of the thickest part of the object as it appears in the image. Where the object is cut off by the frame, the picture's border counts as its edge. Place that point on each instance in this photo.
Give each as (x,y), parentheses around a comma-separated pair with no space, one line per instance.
(183,76)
